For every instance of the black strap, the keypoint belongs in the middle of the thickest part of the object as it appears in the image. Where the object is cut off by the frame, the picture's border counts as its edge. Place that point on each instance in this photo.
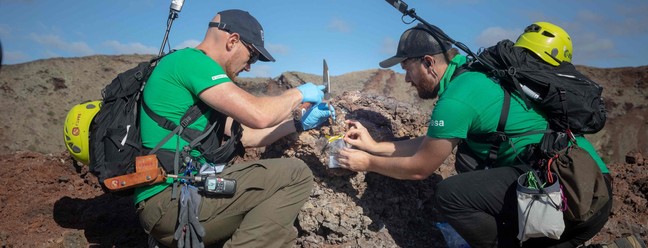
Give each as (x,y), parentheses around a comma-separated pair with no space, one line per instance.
(219,25)
(494,150)
(189,117)
(459,70)
(563,100)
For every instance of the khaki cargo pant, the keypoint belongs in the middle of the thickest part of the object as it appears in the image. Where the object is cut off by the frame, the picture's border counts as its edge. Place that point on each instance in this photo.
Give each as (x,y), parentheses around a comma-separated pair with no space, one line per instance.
(268,197)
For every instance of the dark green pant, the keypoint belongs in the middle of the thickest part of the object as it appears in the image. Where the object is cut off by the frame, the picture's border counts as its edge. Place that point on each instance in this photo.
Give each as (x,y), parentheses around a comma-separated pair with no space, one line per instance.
(268,197)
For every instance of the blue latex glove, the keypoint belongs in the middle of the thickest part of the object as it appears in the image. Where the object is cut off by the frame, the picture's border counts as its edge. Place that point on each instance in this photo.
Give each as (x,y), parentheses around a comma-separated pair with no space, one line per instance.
(311,92)
(317,115)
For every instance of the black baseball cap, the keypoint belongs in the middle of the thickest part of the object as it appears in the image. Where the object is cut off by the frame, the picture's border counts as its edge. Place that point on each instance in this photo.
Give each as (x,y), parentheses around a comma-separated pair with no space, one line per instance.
(250,30)
(416,42)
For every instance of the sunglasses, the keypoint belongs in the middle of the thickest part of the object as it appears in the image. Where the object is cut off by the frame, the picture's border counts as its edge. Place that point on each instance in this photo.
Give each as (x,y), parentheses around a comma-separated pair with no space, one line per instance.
(254,54)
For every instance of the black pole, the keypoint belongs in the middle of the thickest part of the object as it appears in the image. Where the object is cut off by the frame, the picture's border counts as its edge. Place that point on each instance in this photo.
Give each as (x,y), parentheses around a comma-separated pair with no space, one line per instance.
(172,16)
(401,6)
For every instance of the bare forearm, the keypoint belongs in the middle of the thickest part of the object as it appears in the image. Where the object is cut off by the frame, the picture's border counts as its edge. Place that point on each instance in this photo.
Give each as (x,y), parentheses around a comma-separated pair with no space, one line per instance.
(276,109)
(266,136)
(249,110)
(407,168)
(403,148)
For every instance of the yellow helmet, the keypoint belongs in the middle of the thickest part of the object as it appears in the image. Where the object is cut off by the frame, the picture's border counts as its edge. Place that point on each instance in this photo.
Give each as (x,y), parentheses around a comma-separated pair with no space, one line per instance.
(548,41)
(77,129)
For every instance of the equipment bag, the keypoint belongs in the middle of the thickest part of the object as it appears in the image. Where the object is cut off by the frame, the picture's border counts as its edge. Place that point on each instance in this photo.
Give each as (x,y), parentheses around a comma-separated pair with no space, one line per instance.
(572,104)
(583,184)
(569,99)
(539,208)
(115,138)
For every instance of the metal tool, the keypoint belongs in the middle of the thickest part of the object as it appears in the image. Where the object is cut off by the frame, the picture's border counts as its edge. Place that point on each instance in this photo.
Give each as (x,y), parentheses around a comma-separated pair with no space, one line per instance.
(327,81)
(327,95)
(327,92)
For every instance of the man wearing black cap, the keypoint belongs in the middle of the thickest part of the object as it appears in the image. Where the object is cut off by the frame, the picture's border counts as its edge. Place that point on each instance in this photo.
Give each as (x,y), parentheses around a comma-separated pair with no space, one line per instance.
(480,202)
(268,193)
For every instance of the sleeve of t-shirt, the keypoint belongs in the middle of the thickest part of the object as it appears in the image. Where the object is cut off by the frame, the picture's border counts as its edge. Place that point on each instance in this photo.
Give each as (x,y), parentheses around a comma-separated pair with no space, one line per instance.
(451,118)
(203,76)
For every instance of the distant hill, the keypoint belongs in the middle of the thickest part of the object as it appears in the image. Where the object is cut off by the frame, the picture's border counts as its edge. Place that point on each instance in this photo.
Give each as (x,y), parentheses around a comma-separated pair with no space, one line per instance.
(36,96)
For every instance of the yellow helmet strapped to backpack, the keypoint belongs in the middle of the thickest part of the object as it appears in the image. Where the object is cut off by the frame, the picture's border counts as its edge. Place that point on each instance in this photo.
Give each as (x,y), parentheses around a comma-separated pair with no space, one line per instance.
(550,42)
(77,129)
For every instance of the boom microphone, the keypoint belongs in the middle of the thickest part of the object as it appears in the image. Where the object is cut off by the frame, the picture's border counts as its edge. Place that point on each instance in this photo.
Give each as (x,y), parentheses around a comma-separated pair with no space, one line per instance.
(176,5)
(399,5)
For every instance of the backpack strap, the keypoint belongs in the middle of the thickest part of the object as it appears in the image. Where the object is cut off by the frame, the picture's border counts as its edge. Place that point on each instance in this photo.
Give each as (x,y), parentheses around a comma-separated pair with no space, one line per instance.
(459,70)
(189,117)
(500,136)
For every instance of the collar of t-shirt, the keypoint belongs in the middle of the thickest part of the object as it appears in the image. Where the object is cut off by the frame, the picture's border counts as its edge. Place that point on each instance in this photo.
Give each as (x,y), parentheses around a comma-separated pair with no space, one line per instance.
(454,63)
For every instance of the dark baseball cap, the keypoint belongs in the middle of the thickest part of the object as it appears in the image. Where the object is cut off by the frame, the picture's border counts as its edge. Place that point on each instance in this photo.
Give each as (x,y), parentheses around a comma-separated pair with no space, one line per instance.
(250,30)
(416,42)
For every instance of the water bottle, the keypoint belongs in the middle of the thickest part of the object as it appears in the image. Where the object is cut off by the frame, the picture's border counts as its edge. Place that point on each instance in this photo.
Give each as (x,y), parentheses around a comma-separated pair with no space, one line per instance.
(452,238)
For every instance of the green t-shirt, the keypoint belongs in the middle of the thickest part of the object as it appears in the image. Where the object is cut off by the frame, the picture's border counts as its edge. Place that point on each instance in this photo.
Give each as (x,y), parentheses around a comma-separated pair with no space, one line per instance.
(173,88)
(472,103)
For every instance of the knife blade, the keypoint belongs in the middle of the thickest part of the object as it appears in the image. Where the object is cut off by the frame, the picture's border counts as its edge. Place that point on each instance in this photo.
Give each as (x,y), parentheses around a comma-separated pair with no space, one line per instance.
(327,81)
(327,95)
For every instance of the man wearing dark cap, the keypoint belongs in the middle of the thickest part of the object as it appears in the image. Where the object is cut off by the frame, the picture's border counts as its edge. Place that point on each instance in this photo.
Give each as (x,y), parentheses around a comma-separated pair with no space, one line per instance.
(480,202)
(268,193)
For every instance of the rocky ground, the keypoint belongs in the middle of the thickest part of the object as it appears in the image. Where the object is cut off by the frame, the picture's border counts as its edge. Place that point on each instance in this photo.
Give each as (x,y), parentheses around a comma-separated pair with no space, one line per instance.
(47,200)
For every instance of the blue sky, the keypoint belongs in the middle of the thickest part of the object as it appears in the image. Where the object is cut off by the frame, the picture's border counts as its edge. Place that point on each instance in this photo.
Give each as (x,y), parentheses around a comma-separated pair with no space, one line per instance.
(351,35)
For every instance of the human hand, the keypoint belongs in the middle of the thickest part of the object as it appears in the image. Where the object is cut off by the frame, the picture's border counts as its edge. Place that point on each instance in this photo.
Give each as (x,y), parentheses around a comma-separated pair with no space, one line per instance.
(317,115)
(353,159)
(311,92)
(358,136)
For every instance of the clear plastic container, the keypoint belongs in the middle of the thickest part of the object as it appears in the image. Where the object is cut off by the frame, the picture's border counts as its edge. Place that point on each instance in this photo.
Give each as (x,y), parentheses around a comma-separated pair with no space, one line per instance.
(335,143)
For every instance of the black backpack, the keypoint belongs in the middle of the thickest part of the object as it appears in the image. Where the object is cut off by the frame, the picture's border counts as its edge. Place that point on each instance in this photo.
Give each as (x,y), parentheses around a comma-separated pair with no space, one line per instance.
(572,104)
(568,98)
(115,138)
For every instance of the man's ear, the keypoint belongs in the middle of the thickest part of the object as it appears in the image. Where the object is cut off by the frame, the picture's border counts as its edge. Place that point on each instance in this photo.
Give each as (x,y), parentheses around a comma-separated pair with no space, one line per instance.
(428,61)
(232,39)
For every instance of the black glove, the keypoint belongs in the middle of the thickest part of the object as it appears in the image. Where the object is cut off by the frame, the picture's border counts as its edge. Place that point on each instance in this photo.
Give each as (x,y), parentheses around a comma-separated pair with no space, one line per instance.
(189,232)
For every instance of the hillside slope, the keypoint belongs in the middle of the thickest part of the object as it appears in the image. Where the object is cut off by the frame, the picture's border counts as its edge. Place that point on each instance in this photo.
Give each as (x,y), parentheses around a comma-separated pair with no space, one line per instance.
(35,97)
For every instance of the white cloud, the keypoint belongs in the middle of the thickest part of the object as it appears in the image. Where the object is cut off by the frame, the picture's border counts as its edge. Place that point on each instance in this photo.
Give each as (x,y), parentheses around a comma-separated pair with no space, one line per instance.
(5,30)
(130,48)
(277,49)
(187,43)
(590,46)
(492,35)
(56,42)
(14,57)
(51,54)
(620,21)
(260,70)
(339,25)
(588,16)
(388,46)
